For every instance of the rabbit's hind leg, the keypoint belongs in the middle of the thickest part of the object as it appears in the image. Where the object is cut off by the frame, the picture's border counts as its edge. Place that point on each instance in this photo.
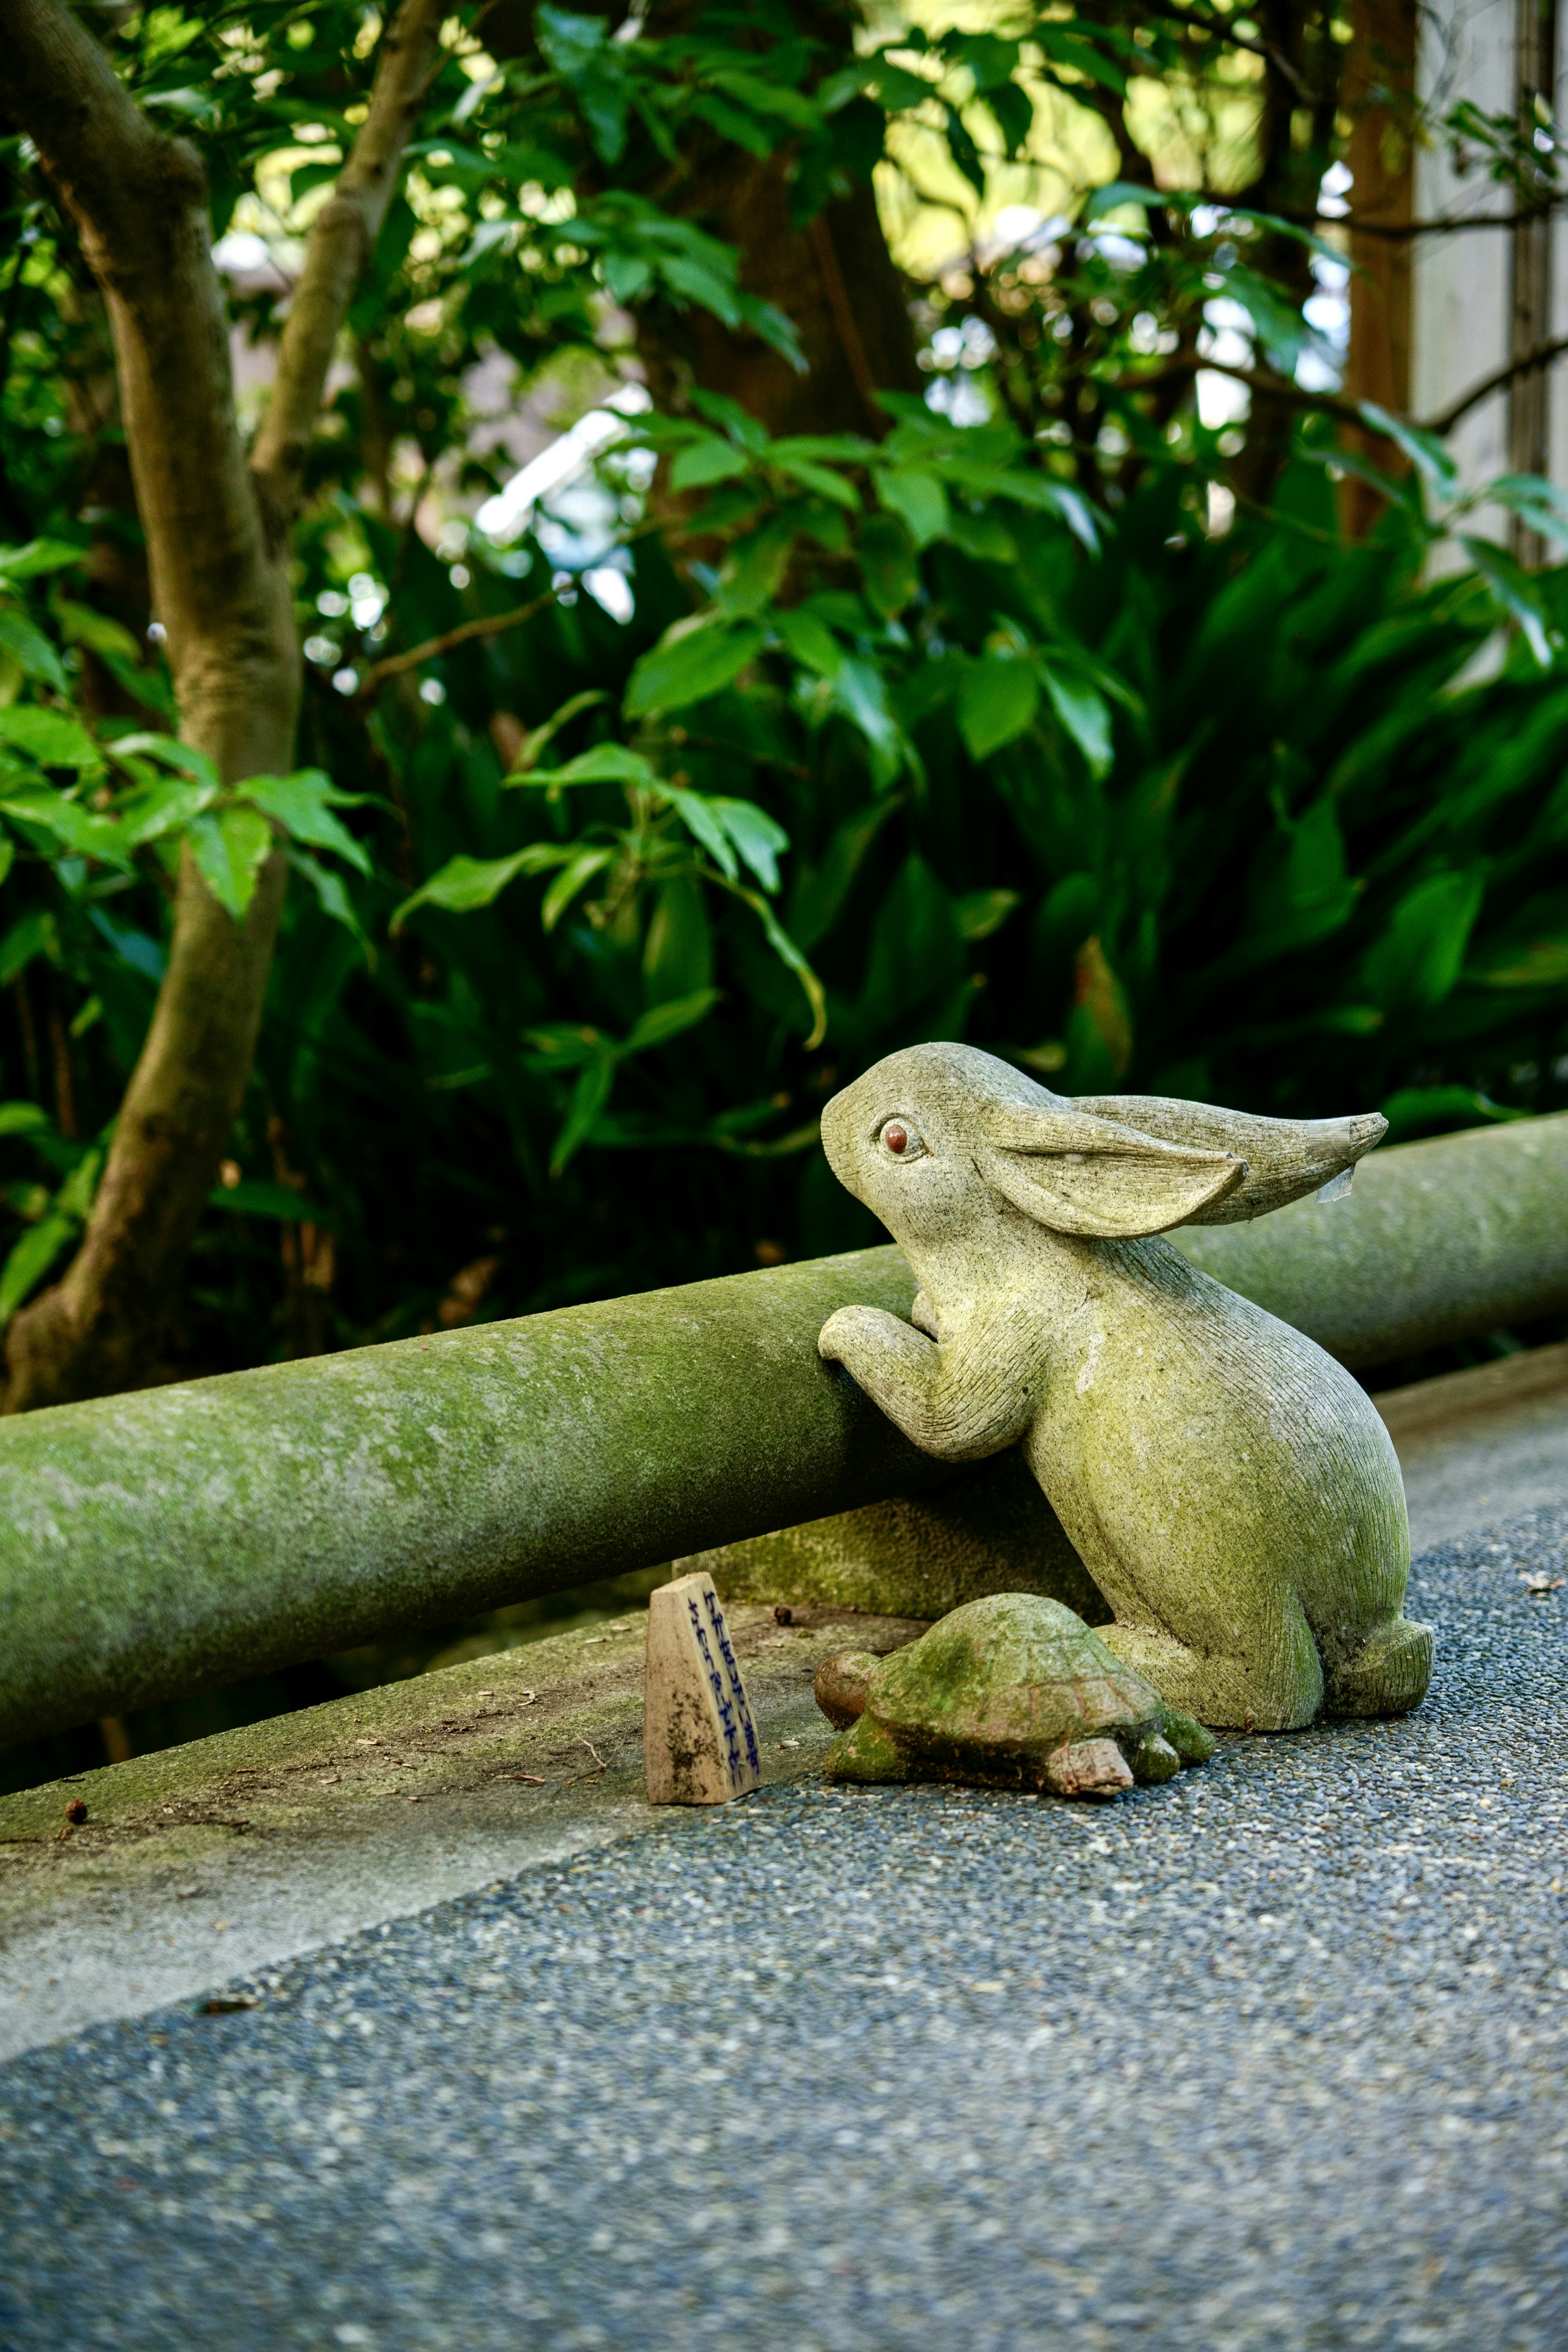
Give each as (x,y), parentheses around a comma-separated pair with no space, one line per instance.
(1275,1684)
(1387,1674)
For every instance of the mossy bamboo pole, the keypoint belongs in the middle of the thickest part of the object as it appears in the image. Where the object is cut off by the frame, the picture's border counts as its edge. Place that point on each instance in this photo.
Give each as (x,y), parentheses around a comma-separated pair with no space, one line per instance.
(174,1538)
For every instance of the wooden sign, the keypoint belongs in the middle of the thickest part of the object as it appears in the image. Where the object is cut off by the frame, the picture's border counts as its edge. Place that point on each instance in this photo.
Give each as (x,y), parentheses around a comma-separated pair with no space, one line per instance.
(700,1743)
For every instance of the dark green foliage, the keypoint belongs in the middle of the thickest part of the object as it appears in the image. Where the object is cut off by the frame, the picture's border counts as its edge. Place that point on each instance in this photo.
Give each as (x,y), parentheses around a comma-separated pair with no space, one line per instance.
(966,732)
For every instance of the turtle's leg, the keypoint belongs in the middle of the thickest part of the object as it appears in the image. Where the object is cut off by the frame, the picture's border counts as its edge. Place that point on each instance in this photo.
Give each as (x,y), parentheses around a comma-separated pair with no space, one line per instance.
(866,1752)
(1275,1684)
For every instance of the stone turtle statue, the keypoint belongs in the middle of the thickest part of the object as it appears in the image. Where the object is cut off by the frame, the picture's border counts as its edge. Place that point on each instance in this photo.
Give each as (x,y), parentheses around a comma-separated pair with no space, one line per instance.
(1011,1692)
(1231,1490)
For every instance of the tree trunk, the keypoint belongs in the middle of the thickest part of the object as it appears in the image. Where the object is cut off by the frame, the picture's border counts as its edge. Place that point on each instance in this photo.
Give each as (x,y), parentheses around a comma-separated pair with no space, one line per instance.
(1381,61)
(217,540)
(833,278)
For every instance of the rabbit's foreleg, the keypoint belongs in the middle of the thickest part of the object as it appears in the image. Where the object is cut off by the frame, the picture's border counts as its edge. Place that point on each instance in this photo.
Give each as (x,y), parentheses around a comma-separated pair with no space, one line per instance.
(958,1401)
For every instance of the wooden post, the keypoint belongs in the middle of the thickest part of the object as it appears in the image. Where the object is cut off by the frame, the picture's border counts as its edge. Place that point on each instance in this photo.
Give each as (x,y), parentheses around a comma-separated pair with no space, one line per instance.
(700,1743)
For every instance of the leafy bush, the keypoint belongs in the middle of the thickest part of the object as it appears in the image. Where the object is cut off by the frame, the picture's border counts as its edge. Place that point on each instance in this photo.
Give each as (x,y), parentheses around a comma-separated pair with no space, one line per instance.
(941,754)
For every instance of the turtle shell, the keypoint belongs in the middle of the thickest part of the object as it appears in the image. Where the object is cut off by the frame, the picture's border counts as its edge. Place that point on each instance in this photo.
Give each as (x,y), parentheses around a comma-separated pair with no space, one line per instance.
(1014,1676)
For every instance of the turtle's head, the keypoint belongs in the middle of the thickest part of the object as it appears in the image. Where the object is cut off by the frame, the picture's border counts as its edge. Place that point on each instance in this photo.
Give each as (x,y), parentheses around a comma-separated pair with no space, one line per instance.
(943,1142)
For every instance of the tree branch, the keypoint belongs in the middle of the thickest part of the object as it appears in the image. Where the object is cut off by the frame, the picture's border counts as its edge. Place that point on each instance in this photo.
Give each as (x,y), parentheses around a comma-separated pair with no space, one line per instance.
(1267,387)
(342,239)
(1541,356)
(1347,410)
(1219,30)
(1444,225)
(491,625)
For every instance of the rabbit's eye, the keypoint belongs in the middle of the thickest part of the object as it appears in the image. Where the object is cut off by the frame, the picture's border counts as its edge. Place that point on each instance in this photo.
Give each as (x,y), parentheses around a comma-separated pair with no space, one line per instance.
(903,1140)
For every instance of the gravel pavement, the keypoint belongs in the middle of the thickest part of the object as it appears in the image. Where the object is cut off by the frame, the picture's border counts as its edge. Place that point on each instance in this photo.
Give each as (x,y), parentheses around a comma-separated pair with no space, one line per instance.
(1271,2059)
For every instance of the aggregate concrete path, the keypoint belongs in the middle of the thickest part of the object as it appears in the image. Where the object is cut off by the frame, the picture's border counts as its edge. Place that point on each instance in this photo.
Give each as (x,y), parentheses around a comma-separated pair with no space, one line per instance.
(1270,2060)
(254,1845)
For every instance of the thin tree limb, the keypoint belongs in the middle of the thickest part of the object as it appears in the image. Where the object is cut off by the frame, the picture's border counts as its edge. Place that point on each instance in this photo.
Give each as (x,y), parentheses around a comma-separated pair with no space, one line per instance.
(1541,356)
(1348,411)
(342,239)
(1444,224)
(1220,31)
(491,625)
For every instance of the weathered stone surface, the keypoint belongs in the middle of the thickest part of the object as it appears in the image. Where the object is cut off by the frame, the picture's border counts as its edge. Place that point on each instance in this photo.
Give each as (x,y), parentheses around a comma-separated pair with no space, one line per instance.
(173,1539)
(1231,1490)
(991,1530)
(1011,1692)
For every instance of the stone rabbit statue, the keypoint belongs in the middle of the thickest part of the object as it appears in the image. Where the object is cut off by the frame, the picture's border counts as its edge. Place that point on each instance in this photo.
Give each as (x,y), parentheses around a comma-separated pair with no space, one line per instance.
(1230,1487)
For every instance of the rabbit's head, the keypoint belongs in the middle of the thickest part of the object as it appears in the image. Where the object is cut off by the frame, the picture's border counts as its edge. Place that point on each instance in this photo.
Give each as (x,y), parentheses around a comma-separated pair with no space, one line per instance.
(941,1140)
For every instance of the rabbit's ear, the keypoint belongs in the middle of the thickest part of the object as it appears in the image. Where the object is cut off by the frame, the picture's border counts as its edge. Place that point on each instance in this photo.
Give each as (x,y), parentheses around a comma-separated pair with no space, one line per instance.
(1093,1176)
(1285,1158)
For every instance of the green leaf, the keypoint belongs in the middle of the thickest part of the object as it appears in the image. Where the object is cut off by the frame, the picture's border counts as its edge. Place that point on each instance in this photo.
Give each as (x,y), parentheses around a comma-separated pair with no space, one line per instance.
(572,878)
(536,741)
(1420,1111)
(1120,193)
(158,807)
(708,460)
(996,703)
(887,551)
(918,498)
(663,1021)
(741,426)
(465,884)
(985,911)
(689,663)
(1516,590)
(697,814)
(184,758)
(1426,453)
(31,1259)
(333,898)
(49,737)
(589,1096)
(810,641)
(579,48)
(39,555)
(33,935)
(607,764)
(916,958)
(819,893)
(81,830)
(754,567)
(28,645)
(299,803)
(82,626)
(1084,712)
(24,1119)
(813,477)
(754,833)
(678,952)
(567,1046)
(788,954)
(1028,491)
(1419,958)
(230,849)
(248,1199)
(859,692)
